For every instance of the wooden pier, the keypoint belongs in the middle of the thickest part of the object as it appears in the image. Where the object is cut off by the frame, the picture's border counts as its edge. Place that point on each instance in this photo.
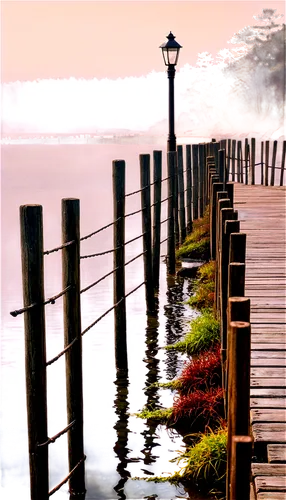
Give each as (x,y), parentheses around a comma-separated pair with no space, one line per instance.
(262,212)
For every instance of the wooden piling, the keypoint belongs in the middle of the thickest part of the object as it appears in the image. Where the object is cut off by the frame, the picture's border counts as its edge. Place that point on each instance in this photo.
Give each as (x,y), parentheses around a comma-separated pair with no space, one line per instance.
(171,261)
(195,150)
(253,161)
(236,279)
(72,333)
(239,162)
(230,191)
(266,162)
(237,247)
(118,174)
(221,163)
(228,158)
(176,203)
(240,468)
(31,222)
(238,384)
(157,176)
(233,159)
(201,179)
(216,187)
(274,153)
(189,189)
(283,163)
(246,156)
(181,194)
(146,230)
(262,163)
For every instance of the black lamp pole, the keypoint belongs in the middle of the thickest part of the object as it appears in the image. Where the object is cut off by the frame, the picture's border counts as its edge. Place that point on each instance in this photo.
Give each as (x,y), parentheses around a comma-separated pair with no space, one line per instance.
(170,52)
(172,145)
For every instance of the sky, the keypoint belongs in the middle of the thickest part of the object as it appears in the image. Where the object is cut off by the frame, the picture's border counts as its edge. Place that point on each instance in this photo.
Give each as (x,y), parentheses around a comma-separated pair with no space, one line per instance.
(113,39)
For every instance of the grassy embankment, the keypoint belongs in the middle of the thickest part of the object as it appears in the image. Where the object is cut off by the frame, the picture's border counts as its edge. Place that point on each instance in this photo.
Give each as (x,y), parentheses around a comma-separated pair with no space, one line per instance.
(198,408)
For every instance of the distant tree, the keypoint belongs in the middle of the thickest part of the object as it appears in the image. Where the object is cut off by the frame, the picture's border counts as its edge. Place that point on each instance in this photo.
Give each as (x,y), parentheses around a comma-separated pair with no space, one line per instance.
(260,72)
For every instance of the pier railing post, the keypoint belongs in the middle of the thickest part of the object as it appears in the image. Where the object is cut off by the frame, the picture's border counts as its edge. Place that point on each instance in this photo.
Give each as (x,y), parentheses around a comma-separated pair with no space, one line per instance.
(238,384)
(118,175)
(31,222)
(246,156)
(171,261)
(72,333)
(274,153)
(189,189)
(240,472)
(215,188)
(252,152)
(233,149)
(157,176)
(262,163)
(201,179)
(181,194)
(195,150)
(266,162)
(146,230)
(283,163)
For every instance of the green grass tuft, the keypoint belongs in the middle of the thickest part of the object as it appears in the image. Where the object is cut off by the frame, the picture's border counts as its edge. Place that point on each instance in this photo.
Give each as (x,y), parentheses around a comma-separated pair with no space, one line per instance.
(160,416)
(204,464)
(195,249)
(204,335)
(204,287)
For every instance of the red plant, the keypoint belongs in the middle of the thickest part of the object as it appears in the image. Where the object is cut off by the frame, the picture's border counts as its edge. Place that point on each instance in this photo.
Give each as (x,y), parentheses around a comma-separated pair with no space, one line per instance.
(198,410)
(202,373)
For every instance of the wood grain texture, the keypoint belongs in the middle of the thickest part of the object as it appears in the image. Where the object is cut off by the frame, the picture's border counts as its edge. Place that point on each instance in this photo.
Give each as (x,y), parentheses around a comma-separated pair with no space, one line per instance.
(276,453)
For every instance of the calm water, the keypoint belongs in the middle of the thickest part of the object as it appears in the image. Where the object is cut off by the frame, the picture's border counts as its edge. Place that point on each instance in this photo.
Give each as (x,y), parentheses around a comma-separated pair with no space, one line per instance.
(118,445)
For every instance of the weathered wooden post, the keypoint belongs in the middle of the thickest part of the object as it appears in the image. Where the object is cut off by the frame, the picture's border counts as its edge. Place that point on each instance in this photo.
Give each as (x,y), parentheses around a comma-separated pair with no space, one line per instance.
(230,191)
(157,175)
(222,202)
(31,222)
(118,174)
(189,188)
(274,153)
(195,150)
(176,201)
(283,163)
(236,279)
(238,384)
(262,163)
(228,158)
(72,333)
(240,471)
(246,156)
(266,162)
(233,159)
(201,179)
(215,188)
(146,230)
(171,262)
(253,161)
(239,162)
(237,247)
(221,165)
(181,193)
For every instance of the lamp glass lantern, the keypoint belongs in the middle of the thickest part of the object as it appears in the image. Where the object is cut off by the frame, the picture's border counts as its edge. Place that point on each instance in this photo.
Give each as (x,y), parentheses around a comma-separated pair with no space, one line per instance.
(170,50)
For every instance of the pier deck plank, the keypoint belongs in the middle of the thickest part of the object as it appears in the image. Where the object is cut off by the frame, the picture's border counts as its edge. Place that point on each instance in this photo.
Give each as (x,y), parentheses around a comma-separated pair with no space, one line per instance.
(262,212)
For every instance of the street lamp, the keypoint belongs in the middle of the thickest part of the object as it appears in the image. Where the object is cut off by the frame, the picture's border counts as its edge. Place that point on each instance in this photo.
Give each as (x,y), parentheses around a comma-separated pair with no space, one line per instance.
(170,51)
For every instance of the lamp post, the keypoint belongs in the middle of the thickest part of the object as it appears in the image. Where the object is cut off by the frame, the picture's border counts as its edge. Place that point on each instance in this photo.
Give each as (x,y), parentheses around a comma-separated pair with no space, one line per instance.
(170,51)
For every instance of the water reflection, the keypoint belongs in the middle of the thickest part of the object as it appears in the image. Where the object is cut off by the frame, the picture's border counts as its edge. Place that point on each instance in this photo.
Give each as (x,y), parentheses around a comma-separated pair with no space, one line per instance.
(121,406)
(174,311)
(151,391)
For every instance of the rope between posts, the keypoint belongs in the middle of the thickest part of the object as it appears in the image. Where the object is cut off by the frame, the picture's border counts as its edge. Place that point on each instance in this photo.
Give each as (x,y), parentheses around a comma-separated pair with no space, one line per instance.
(99,253)
(51,300)
(134,258)
(163,241)
(62,352)
(99,230)
(134,213)
(165,220)
(47,252)
(134,239)
(111,308)
(56,488)
(99,280)
(54,438)
(166,178)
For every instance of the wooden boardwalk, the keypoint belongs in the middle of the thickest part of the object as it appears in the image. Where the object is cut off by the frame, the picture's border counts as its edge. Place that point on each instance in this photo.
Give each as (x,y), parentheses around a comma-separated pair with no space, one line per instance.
(262,212)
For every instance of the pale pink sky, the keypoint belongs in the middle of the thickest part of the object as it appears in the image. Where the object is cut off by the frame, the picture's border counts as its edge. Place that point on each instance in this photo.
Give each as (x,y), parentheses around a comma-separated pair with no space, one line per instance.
(86,39)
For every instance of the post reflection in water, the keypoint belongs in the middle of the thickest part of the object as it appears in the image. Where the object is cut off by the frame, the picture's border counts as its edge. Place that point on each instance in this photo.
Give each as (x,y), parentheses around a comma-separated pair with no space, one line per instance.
(121,409)
(174,311)
(151,391)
